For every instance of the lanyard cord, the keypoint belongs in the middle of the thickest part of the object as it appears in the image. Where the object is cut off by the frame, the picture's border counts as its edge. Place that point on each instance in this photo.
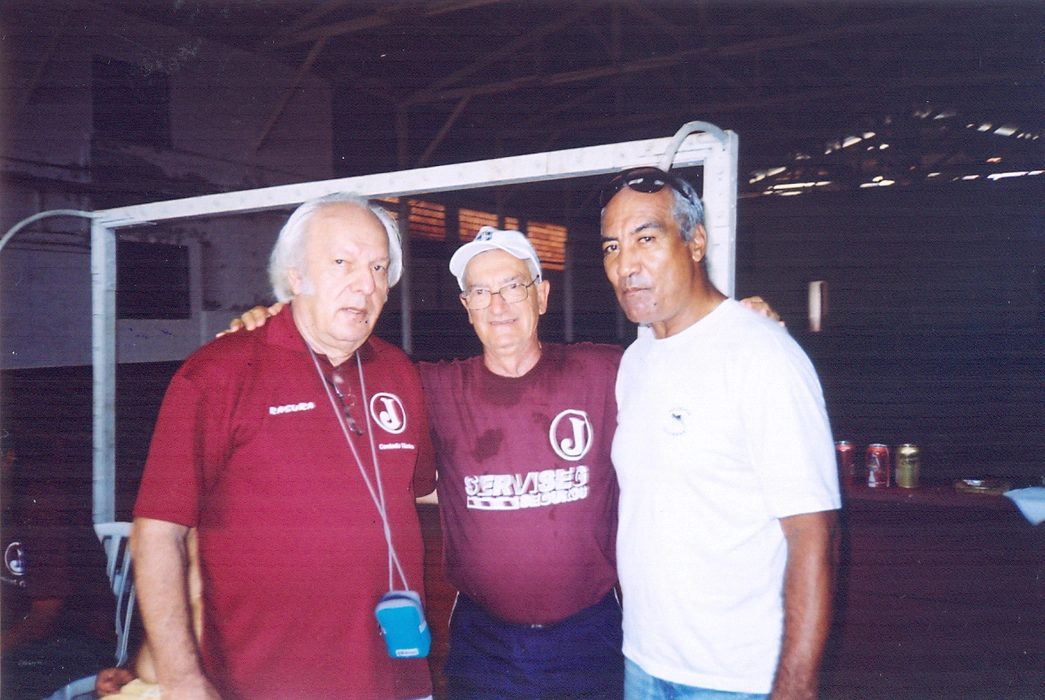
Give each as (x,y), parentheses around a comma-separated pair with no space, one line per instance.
(377,496)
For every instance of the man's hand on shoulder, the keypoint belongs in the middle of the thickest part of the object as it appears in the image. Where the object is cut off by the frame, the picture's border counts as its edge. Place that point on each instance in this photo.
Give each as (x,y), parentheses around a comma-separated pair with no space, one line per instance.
(252,319)
(761,306)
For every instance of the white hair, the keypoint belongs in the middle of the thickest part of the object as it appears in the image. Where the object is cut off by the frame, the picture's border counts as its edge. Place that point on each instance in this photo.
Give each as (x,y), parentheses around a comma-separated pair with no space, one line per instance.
(289,251)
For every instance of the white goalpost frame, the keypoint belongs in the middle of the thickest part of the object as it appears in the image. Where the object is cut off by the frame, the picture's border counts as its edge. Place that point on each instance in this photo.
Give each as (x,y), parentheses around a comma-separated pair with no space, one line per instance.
(716,152)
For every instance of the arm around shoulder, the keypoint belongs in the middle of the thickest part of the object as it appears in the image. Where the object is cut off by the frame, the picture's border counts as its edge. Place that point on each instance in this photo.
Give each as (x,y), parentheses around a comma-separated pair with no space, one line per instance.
(252,319)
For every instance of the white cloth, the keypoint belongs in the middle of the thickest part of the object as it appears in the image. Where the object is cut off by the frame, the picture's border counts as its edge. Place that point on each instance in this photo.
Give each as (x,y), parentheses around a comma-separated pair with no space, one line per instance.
(722,430)
(137,689)
(1031,502)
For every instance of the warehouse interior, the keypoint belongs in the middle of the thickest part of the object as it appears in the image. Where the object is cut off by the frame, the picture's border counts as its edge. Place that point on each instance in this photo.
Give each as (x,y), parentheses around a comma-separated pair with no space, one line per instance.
(892,151)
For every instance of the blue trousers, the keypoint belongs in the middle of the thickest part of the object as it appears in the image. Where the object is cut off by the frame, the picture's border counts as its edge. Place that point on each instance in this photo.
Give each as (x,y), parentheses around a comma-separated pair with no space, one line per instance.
(578,657)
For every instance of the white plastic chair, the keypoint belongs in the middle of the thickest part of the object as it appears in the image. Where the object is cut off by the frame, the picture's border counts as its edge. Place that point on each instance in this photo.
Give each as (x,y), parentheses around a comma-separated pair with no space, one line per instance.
(114,538)
(80,689)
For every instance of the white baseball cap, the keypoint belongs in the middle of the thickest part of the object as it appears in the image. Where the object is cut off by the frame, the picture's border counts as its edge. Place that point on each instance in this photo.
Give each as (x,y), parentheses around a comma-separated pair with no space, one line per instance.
(489,238)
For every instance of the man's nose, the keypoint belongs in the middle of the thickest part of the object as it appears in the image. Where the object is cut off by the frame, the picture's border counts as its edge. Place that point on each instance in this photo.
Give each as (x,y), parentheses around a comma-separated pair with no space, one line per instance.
(363,281)
(626,262)
(497,302)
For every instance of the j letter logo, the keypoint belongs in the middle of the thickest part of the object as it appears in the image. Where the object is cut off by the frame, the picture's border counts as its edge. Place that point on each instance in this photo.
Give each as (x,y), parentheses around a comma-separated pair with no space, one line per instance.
(571,434)
(388,411)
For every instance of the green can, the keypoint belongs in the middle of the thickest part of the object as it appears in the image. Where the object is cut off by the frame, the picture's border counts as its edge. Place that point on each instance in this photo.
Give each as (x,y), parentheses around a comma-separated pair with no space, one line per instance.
(908,466)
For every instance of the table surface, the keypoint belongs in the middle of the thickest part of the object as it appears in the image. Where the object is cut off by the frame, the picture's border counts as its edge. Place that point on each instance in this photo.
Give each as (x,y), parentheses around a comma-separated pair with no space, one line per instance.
(930,496)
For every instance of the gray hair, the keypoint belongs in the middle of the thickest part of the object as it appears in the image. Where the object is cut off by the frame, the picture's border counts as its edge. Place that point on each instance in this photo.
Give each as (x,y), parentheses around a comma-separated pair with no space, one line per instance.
(289,251)
(686,209)
(688,213)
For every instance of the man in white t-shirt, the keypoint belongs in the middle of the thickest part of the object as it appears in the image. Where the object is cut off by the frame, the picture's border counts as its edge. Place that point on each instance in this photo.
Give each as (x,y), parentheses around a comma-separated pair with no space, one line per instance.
(727,539)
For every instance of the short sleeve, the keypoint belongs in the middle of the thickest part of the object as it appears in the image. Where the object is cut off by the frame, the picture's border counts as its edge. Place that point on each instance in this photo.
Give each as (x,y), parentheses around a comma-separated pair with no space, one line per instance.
(424,468)
(789,434)
(172,483)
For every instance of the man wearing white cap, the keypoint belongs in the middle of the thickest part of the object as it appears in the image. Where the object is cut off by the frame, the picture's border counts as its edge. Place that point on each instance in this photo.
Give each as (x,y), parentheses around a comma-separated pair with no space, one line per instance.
(527,491)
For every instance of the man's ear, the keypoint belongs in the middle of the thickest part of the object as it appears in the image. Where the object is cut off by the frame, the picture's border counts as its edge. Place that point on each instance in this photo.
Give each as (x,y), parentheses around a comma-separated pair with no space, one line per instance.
(296,281)
(468,311)
(698,244)
(543,289)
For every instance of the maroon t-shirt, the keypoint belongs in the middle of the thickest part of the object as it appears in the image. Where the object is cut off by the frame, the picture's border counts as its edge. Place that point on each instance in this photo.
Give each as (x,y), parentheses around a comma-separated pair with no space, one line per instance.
(248,449)
(526,487)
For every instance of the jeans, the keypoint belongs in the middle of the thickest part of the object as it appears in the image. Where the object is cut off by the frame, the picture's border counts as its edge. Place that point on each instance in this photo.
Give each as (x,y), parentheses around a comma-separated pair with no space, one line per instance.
(639,685)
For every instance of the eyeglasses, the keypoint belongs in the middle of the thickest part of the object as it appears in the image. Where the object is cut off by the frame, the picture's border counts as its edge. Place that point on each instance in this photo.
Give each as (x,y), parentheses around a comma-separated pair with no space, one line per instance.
(513,293)
(339,383)
(645,180)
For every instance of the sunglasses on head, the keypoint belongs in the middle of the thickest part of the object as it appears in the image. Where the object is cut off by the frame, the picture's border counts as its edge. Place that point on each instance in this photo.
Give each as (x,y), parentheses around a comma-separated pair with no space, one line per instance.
(646,180)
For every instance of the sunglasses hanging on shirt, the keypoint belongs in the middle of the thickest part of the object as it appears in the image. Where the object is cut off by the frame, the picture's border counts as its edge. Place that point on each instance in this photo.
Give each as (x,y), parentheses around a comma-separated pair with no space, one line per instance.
(339,383)
(399,613)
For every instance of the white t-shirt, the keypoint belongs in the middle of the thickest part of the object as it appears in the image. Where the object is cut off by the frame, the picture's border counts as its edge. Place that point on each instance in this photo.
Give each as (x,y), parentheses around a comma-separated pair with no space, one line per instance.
(722,430)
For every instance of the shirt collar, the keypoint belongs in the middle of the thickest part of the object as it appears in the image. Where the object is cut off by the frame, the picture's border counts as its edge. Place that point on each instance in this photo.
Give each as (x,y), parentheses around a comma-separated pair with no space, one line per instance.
(284,333)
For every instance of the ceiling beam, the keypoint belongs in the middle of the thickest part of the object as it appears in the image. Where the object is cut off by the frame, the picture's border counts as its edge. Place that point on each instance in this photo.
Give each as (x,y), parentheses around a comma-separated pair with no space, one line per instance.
(289,91)
(492,57)
(379,19)
(843,96)
(331,30)
(905,26)
(38,73)
(312,16)
(458,110)
(653,18)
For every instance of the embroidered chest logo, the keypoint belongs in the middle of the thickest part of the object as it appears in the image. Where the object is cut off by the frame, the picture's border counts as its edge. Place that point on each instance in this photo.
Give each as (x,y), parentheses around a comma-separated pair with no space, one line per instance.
(291,408)
(677,422)
(388,412)
(571,434)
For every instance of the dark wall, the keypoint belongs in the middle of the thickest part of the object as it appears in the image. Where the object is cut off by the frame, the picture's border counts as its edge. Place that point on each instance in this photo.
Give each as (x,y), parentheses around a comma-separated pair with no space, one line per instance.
(49,413)
(935,327)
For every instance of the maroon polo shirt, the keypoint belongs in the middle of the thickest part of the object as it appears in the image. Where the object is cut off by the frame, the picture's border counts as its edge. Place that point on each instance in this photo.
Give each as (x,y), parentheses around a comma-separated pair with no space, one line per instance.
(248,448)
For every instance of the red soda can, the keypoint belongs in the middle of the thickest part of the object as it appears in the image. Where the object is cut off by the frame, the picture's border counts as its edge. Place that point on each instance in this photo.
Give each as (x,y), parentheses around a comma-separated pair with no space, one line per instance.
(878,471)
(846,464)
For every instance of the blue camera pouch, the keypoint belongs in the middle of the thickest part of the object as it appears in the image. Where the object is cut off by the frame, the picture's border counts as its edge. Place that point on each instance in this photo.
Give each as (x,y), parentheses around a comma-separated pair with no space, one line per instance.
(402,620)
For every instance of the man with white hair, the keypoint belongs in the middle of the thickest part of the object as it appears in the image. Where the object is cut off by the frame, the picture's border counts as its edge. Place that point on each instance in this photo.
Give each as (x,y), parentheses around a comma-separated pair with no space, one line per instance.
(299,538)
